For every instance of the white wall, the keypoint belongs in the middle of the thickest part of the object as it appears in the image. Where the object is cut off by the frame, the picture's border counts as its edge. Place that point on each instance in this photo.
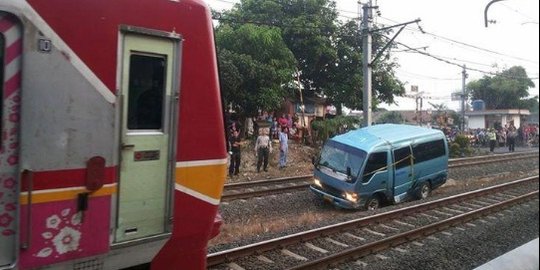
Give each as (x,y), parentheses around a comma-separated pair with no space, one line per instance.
(477,122)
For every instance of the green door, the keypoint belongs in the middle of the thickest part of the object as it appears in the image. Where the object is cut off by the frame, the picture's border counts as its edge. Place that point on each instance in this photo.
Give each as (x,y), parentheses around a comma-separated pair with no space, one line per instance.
(145,172)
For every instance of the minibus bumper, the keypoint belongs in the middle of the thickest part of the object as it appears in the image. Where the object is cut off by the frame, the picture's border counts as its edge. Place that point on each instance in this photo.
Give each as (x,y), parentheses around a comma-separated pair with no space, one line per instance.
(337,201)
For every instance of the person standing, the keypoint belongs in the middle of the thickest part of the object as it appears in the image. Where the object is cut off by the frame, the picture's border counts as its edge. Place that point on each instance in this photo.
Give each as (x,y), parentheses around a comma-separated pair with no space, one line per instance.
(234,151)
(263,148)
(283,147)
(492,137)
(511,138)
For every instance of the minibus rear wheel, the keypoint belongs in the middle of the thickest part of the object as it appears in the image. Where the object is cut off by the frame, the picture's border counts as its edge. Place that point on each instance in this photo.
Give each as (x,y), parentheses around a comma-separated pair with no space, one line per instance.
(373,203)
(424,191)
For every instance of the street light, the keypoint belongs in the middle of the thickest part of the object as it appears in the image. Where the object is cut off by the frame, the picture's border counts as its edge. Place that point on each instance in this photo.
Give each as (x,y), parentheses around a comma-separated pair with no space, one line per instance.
(486,10)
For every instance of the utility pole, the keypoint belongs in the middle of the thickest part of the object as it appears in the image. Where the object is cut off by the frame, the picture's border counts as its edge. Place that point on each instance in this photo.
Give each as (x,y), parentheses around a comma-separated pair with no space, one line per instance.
(366,62)
(464,79)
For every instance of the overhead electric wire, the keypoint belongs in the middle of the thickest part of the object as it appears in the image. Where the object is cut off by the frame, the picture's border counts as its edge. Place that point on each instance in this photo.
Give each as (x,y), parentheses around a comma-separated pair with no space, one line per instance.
(464,44)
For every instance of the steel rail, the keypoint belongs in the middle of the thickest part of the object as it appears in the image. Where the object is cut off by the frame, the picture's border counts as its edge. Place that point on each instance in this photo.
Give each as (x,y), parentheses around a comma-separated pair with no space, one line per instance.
(228,195)
(232,254)
(411,235)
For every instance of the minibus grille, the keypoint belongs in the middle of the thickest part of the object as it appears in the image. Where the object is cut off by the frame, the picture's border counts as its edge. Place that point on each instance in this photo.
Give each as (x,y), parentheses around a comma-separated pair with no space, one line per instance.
(332,191)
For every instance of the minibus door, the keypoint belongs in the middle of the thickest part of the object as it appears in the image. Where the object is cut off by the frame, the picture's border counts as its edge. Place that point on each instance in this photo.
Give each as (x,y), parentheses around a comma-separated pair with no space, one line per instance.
(148,124)
(403,173)
(10,98)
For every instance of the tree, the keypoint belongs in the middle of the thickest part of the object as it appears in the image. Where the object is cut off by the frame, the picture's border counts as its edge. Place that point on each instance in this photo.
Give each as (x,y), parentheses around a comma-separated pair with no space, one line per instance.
(328,53)
(507,90)
(391,117)
(255,63)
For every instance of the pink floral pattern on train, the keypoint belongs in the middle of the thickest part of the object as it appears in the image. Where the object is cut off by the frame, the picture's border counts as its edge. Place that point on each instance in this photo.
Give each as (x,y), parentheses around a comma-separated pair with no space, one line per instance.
(10,115)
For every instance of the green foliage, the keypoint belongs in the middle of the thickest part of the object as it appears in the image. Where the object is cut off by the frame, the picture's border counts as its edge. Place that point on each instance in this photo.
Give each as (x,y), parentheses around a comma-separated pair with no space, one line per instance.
(254,64)
(326,52)
(391,117)
(506,90)
(324,129)
(461,147)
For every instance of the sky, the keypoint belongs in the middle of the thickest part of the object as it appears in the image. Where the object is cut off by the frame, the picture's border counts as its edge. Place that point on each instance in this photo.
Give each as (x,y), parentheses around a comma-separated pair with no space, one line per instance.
(455,32)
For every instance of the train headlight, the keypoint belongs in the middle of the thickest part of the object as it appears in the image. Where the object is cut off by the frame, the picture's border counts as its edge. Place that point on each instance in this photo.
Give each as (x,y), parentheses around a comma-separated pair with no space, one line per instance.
(352,197)
(317,182)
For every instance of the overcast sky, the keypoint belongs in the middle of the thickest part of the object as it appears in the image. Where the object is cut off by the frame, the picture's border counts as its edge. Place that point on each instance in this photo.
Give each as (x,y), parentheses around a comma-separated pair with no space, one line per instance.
(456,33)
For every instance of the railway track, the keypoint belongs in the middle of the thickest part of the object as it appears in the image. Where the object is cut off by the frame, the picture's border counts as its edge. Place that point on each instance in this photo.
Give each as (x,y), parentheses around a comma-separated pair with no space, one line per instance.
(246,190)
(347,241)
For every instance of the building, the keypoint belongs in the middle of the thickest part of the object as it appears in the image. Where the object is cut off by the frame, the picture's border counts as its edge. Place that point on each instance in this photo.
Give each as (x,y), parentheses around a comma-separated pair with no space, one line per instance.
(497,118)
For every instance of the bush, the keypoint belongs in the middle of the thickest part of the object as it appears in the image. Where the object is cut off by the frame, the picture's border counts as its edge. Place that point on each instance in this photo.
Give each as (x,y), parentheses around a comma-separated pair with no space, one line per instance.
(324,129)
(461,147)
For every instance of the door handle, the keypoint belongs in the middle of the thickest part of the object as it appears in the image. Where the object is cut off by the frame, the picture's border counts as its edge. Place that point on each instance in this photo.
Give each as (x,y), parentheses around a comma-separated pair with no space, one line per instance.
(127,146)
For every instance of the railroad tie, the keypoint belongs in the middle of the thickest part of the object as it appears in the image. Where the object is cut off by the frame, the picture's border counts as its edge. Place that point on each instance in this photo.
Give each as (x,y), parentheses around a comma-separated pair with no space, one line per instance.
(400,250)
(470,224)
(264,259)
(234,266)
(316,248)
(354,236)
(447,233)
(453,210)
(442,213)
(429,216)
(388,227)
(461,229)
(404,223)
(336,242)
(382,257)
(483,221)
(361,263)
(293,255)
(374,232)
(418,244)
(433,238)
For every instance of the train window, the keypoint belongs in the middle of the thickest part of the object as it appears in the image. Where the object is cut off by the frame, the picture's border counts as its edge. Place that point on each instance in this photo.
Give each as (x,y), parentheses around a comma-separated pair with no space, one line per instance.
(2,50)
(146,92)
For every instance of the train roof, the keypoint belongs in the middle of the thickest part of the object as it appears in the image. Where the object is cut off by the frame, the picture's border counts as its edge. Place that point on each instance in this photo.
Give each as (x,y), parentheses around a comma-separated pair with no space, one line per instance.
(369,137)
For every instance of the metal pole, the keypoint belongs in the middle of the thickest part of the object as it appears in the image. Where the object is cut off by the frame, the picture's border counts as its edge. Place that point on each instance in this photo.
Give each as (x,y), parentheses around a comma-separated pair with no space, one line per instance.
(464,78)
(486,21)
(366,65)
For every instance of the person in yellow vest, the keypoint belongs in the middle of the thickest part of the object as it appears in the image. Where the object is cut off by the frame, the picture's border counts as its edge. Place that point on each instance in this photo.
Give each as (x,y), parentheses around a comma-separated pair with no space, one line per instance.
(492,137)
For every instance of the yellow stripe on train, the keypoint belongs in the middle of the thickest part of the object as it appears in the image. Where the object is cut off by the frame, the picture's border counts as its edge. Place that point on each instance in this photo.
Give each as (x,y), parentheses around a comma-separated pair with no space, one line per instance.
(203,177)
(63,194)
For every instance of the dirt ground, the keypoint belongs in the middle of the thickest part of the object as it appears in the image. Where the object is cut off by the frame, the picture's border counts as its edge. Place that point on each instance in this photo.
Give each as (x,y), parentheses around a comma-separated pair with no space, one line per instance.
(298,162)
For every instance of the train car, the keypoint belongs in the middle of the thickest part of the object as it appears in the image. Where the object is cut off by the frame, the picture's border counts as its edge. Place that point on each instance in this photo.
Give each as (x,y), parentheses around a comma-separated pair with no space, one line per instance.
(112,151)
(391,163)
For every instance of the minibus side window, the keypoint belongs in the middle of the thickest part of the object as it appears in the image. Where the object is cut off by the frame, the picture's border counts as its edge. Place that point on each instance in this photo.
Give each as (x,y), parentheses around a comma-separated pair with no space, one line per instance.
(376,162)
(402,157)
(428,150)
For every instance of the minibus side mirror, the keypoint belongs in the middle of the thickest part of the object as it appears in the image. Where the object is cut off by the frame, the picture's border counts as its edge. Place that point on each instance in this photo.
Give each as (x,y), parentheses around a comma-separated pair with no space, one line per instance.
(349,174)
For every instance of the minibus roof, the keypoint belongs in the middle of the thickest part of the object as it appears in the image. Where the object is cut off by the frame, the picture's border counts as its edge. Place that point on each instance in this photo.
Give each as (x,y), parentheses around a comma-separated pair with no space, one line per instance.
(369,137)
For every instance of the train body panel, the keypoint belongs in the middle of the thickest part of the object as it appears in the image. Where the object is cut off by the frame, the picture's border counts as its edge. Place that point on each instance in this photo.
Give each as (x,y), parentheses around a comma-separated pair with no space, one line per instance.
(112,134)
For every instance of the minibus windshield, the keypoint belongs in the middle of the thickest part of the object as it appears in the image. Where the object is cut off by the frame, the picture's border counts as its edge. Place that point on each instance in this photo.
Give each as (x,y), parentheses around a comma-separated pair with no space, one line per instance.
(338,157)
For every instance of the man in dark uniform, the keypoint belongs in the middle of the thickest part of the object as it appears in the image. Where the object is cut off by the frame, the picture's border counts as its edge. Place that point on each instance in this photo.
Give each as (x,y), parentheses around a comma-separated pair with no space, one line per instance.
(234,151)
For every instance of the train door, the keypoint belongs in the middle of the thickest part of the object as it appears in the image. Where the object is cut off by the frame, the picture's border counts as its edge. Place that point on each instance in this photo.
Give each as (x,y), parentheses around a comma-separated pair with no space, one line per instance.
(10,72)
(403,173)
(145,185)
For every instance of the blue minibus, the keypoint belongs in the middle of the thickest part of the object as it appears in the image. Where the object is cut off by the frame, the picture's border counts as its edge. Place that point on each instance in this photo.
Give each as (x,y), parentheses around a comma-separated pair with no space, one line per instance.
(381,163)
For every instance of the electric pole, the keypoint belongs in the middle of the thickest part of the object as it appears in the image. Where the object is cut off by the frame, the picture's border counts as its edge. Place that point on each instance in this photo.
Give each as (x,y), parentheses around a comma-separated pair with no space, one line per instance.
(464,79)
(366,62)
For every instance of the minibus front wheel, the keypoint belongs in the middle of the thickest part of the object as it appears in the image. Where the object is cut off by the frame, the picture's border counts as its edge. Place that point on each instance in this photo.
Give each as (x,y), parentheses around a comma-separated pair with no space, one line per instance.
(373,203)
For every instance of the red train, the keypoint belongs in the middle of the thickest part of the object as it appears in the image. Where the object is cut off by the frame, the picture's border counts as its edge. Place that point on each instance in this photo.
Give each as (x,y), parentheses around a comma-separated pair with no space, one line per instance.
(112,151)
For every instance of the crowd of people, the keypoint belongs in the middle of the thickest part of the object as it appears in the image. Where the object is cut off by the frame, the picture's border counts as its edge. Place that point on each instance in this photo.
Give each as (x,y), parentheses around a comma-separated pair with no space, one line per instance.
(506,136)
(280,129)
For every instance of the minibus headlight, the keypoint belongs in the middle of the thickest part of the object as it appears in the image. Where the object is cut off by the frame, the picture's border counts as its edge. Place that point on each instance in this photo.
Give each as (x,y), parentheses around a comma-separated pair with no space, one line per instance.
(352,197)
(317,182)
